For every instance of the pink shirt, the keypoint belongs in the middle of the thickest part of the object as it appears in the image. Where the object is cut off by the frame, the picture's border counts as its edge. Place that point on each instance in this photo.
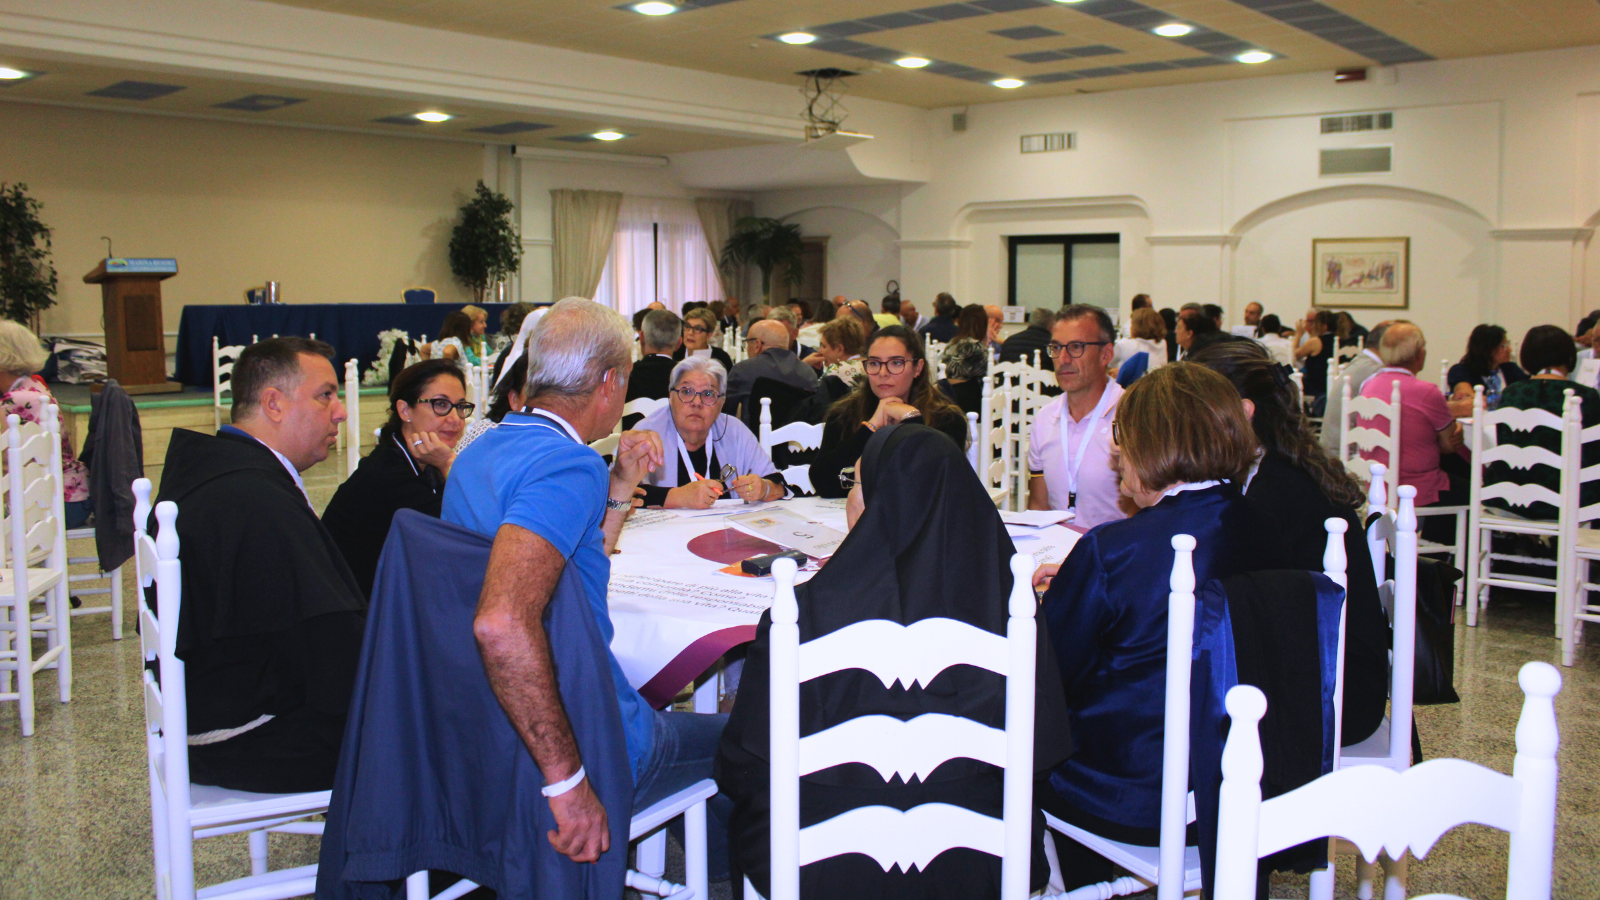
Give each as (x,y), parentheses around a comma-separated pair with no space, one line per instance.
(1097,482)
(1423,414)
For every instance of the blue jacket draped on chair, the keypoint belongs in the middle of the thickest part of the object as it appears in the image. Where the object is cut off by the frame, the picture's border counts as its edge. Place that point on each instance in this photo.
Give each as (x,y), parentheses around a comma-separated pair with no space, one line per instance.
(431,774)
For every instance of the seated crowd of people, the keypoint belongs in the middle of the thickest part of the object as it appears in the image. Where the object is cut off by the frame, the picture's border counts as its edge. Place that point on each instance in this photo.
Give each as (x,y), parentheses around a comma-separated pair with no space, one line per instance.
(1210,437)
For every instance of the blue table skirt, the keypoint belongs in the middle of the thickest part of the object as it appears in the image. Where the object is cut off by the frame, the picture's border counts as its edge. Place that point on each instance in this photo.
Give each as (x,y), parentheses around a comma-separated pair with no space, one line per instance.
(352,328)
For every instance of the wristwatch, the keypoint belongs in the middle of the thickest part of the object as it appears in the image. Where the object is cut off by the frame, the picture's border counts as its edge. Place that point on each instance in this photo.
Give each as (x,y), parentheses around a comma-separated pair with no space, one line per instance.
(618,504)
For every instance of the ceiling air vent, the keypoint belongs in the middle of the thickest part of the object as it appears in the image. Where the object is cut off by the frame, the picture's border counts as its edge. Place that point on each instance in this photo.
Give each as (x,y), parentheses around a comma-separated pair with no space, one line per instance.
(1049,143)
(1380,121)
(1356,161)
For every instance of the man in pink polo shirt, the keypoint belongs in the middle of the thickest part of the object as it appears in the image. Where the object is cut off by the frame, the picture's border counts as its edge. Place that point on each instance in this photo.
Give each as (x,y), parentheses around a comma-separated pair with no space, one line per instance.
(1069,462)
(1427,426)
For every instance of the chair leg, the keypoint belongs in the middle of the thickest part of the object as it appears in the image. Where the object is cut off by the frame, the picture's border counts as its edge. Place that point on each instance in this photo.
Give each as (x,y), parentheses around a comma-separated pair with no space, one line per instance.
(64,638)
(116,603)
(417,885)
(1394,881)
(1364,873)
(1474,554)
(1322,879)
(694,850)
(652,854)
(258,853)
(21,618)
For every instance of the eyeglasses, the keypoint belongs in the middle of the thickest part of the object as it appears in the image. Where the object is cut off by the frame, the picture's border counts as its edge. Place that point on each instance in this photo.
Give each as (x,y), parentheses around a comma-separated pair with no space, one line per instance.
(442,406)
(1073,349)
(895,365)
(697,329)
(847,477)
(1116,433)
(688,395)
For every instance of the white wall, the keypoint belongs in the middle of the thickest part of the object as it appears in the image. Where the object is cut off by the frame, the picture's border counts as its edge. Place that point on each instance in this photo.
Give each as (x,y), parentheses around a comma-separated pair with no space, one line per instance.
(862,225)
(1215,191)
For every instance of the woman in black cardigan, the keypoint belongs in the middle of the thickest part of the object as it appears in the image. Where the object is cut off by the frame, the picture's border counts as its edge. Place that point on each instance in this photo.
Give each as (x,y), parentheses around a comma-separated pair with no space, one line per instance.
(897,388)
(428,412)
(1297,486)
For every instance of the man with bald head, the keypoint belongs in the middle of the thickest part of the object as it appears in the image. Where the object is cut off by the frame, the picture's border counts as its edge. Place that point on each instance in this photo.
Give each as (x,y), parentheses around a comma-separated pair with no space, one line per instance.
(769,356)
(1429,432)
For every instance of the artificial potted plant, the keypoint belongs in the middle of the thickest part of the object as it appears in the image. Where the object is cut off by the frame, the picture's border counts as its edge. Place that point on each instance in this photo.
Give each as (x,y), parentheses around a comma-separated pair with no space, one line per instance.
(27,278)
(484,248)
(767,244)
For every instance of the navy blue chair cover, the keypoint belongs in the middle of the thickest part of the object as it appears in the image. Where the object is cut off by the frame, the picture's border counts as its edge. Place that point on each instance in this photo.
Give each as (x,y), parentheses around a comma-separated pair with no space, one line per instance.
(431,774)
(419,295)
(1132,368)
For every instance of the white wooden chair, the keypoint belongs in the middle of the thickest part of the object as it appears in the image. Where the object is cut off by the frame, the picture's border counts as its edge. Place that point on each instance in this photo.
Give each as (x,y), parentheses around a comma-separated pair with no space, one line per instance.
(1355,441)
(1380,810)
(1173,868)
(649,830)
(182,812)
(1444,377)
(989,448)
(222,360)
(112,587)
(1389,746)
(641,406)
(909,653)
(352,425)
(799,436)
(1346,353)
(1483,521)
(606,446)
(36,550)
(1025,382)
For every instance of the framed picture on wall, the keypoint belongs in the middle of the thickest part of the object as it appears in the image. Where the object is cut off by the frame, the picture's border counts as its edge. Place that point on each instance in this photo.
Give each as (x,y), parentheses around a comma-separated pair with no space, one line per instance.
(1361,272)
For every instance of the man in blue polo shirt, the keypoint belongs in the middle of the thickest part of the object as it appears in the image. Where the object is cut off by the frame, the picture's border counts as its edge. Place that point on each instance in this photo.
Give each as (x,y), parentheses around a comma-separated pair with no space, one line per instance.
(549,501)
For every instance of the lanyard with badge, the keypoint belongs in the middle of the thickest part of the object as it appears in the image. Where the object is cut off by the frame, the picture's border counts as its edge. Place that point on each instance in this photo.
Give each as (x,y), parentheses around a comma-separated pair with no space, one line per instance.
(683,453)
(1089,426)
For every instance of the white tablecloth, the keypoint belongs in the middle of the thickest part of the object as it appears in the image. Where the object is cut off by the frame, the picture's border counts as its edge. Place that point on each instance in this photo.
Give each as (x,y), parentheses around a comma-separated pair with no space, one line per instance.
(675,613)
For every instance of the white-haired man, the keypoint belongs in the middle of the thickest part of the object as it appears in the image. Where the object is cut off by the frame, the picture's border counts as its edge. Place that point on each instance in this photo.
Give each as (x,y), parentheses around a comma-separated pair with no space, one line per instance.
(550,503)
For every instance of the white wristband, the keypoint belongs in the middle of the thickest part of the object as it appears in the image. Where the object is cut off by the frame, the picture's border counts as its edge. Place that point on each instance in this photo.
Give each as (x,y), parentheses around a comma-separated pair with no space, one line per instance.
(561,787)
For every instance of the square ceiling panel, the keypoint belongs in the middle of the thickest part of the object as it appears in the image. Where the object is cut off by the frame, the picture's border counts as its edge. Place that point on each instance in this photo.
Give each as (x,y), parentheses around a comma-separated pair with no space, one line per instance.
(136,90)
(259,103)
(1026,33)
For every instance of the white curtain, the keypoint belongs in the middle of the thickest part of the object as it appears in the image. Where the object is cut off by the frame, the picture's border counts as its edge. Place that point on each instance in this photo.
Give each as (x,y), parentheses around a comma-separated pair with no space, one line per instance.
(582,223)
(660,253)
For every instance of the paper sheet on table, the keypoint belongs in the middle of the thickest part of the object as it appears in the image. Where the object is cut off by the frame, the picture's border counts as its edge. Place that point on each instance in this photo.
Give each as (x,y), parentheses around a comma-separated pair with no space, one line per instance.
(789,530)
(724,507)
(1035,518)
(1048,545)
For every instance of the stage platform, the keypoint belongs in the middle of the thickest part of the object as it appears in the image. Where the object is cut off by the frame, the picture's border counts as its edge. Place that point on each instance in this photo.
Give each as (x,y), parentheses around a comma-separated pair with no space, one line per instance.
(191,409)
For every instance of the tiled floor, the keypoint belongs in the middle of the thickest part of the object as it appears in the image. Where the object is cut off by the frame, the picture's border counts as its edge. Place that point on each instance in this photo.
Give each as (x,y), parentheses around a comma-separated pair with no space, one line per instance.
(76,814)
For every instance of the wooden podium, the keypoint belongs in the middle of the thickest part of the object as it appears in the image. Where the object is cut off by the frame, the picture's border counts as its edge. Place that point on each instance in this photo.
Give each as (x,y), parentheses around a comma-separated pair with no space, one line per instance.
(136,348)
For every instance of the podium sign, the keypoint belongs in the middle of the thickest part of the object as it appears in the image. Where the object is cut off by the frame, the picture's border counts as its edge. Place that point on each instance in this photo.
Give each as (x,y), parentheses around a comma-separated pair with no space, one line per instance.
(130,296)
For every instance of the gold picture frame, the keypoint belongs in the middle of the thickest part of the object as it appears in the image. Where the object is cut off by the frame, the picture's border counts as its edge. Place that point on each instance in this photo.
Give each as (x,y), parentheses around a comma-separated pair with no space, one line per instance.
(1361,273)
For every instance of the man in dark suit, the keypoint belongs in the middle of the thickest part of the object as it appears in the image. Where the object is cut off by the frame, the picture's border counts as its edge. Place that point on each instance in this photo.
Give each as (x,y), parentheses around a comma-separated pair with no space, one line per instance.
(770,357)
(1034,337)
(942,327)
(659,338)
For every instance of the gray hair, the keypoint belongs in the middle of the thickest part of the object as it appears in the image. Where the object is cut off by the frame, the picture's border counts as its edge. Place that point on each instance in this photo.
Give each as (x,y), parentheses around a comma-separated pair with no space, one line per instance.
(1042,317)
(785,315)
(705,365)
(572,348)
(661,328)
(20,350)
(1401,344)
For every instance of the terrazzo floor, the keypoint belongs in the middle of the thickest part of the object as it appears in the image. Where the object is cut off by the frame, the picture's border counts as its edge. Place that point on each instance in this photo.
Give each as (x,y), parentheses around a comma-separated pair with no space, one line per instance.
(76,820)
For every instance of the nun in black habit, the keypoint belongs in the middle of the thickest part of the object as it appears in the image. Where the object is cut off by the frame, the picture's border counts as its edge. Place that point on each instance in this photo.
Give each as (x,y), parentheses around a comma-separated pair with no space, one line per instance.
(928,544)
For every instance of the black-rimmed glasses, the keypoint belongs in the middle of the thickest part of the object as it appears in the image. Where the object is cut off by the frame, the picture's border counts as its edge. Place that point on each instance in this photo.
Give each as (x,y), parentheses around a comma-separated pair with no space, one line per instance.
(895,365)
(442,406)
(1073,349)
(688,395)
(697,329)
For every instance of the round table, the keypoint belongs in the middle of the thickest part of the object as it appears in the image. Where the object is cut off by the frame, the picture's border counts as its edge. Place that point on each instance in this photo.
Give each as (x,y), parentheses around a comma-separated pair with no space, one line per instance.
(675,614)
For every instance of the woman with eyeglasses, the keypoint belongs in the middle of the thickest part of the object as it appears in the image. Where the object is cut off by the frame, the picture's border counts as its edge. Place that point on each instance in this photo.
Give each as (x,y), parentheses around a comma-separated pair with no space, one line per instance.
(709,455)
(897,388)
(428,411)
(699,328)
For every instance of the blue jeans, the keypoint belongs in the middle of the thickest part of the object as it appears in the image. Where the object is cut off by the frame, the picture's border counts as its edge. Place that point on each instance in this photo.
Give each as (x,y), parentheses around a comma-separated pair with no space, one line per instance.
(682,753)
(76,512)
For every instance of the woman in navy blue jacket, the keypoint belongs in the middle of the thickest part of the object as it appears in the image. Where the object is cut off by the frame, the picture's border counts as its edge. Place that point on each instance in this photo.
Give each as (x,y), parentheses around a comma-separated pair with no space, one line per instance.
(1182,447)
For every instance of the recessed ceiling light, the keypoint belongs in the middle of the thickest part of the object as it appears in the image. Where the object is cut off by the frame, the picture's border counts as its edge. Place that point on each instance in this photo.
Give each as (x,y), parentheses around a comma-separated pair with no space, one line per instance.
(9,74)
(1069,1)
(797,37)
(1254,56)
(655,8)
(911,62)
(433,116)
(1173,29)
(1008,83)
(608,135)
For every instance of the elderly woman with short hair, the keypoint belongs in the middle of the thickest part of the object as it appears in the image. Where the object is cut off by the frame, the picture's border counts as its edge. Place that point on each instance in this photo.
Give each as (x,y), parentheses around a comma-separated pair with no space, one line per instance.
(708,453)
(25,396)
(700,330)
